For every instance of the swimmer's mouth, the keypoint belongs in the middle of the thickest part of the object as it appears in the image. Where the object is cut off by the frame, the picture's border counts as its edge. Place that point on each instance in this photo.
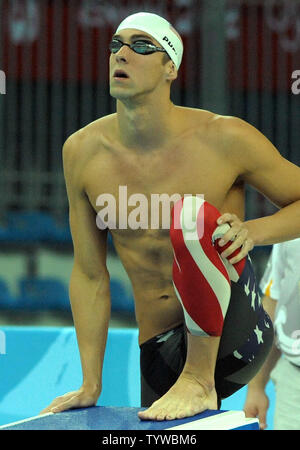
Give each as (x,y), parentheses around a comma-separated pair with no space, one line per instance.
(120,74)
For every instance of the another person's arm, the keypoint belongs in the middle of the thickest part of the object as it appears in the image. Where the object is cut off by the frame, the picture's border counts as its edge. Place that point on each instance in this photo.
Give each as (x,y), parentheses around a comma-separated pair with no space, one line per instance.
(89,288)
(257,402)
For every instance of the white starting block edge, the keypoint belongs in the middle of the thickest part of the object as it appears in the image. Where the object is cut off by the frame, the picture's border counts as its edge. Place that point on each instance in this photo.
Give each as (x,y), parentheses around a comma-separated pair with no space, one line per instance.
(30,419)
(224,421)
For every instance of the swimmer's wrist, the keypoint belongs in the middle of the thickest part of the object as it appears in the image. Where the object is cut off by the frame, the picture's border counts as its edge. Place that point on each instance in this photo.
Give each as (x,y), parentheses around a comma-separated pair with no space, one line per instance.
(254,232)
(92,388)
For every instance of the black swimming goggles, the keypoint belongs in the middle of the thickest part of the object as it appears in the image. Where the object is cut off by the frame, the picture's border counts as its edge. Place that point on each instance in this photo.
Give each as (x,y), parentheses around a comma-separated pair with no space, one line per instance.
(140,47)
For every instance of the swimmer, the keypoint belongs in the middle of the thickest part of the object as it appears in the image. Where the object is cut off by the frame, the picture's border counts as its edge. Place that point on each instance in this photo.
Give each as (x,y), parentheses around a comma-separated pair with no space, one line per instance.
(203,332)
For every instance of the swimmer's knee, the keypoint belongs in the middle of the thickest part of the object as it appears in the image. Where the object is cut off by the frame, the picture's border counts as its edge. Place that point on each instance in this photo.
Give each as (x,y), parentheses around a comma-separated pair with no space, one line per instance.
(193,218)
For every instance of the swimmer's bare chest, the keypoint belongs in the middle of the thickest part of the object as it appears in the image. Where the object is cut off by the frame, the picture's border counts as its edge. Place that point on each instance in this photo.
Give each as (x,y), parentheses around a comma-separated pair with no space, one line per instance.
(135,181)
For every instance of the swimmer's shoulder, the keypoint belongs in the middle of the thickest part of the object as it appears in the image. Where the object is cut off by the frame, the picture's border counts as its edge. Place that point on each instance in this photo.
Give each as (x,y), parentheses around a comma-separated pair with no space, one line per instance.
(235,133)
(194,116)
(226,133)
(206,121)
(93,139)
(218,123)
(97,130)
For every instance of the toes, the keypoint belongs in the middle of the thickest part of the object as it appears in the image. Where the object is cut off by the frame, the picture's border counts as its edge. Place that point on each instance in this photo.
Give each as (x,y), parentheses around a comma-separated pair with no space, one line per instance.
(167,412)
(153,414)
(146,415)
(181,415)
(156,415)
(161,415)
(142,415)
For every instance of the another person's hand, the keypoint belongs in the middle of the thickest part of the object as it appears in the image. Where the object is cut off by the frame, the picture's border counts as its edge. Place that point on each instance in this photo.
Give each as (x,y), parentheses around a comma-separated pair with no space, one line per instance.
(81,398)
(238,234)
(256,405)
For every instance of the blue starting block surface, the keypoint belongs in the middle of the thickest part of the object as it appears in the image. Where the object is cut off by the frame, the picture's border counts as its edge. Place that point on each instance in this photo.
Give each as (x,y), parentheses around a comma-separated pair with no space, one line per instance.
(112,418)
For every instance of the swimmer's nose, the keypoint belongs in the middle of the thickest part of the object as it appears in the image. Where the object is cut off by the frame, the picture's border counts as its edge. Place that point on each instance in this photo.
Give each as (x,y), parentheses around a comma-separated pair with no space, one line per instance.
(121,55)
(121,58)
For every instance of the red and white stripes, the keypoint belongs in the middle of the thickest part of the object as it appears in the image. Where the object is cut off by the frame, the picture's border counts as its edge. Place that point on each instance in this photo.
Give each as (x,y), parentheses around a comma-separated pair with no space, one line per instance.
(201,280)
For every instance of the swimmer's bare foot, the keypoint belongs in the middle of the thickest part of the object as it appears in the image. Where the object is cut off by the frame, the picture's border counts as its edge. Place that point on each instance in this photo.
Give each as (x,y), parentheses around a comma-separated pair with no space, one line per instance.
(186,398)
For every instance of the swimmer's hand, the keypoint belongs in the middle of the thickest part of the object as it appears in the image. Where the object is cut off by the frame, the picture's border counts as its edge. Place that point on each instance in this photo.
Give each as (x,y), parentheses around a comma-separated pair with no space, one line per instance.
(82,398)
(238,235)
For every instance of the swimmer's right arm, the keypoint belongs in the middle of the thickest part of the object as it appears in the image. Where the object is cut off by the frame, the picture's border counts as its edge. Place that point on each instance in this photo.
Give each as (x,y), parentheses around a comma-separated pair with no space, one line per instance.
(89,288)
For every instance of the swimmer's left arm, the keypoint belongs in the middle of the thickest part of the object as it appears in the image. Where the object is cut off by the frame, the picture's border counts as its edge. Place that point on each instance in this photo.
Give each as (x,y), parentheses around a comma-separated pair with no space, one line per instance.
(260,164)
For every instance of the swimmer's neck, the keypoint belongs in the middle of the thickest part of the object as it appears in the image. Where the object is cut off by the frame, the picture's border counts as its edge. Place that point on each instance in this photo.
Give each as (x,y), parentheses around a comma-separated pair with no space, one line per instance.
(145,125)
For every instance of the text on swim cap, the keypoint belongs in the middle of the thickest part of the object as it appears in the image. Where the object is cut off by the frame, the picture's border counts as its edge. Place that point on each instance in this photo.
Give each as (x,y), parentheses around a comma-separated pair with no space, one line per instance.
(170,44)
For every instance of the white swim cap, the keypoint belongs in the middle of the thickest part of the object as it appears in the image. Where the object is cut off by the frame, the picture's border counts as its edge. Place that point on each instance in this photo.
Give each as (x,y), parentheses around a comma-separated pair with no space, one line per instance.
(160,29)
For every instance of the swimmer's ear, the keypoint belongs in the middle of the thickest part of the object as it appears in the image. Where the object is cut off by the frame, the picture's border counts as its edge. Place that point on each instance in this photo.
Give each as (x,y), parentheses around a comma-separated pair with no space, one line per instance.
(171,71)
